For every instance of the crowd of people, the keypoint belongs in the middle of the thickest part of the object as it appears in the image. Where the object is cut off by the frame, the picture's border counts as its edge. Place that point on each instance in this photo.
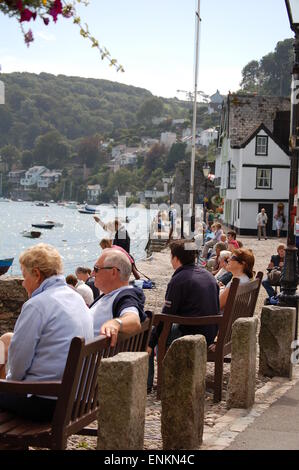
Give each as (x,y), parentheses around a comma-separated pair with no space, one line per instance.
(101,301)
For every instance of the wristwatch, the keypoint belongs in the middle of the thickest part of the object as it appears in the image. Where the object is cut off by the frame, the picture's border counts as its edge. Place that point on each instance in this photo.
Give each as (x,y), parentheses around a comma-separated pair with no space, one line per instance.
(119,321)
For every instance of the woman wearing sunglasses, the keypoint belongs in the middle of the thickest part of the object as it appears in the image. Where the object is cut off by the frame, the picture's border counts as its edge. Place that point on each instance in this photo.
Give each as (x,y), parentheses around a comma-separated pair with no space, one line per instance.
(240,264)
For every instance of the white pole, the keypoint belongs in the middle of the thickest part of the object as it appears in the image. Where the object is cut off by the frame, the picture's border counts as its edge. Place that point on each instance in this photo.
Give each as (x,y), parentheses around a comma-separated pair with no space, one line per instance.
(197,13)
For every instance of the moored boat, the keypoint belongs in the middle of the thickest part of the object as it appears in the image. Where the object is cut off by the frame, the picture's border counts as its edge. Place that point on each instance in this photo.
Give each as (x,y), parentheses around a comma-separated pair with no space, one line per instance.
(56,224)
(5,264)
(31,233)
(47,226)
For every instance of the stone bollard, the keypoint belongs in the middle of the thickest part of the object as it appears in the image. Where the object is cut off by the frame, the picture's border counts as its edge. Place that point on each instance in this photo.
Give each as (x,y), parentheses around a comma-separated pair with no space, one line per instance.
(275,338)
(241,387)
(183,393)
(122,400)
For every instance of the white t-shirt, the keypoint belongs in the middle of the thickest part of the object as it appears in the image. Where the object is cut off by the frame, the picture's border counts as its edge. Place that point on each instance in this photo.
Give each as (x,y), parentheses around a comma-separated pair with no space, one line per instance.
(85,291)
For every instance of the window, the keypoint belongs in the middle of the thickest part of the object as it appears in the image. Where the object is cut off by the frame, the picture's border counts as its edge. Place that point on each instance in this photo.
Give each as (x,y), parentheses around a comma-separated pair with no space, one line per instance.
(263,178)
(232,176)
(261,145)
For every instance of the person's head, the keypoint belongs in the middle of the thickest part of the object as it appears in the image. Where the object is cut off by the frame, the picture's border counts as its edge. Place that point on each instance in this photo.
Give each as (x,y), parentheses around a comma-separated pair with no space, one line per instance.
(182,252)
(105,243)
(71,280)
(38,263)
(223,238)
(220,246)
(218,226)
(281,250)
(231,235)
(241,262)
(223,258)
(112,270)
(263,210)
(83,273)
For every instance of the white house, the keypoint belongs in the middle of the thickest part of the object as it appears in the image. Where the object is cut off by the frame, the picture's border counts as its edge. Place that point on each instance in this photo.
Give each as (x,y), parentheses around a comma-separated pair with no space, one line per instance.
(252,169)
(168,139)
(48,177)
(93,192)
(207,137)
(32,176)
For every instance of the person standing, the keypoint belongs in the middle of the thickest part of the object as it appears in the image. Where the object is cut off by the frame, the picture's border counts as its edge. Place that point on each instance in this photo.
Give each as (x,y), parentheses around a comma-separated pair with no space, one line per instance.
(121,236)
(279,222)
(261,221)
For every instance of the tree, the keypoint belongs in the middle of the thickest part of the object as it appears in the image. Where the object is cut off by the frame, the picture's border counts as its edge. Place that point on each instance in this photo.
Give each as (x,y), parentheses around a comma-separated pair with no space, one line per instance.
(175,155)
(272,74)
(154,159)
(51,150)
(251,76)
(10,154)
(150,108)
(27,159)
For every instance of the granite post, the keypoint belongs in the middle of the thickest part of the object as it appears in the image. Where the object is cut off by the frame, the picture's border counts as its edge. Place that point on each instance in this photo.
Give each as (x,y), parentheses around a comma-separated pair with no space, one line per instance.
(241,387)
(122,400)
(276,335)
(183,393)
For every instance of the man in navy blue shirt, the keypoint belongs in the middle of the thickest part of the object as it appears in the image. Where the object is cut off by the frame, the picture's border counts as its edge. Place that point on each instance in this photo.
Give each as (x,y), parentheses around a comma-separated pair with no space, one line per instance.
(191,292)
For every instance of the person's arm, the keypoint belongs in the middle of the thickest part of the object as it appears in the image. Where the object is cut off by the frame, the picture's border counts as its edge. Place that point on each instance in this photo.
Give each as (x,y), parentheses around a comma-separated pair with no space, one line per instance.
(130,324)
(100,222)
(27,334)
(223,298)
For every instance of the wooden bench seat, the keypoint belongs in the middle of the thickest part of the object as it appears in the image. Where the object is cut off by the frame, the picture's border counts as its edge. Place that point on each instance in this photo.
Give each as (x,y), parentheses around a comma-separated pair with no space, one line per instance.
(77,394)
(241,302)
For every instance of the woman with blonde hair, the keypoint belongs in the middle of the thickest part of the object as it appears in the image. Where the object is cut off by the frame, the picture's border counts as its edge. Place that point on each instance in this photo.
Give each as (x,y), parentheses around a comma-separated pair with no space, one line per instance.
(51,317)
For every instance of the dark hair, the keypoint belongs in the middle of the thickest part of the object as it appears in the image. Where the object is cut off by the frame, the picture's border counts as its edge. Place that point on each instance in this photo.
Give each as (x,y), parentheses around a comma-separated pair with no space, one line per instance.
(83,270)
(232,233)
(184,250)
(245,257)
(71,279)
(220,246)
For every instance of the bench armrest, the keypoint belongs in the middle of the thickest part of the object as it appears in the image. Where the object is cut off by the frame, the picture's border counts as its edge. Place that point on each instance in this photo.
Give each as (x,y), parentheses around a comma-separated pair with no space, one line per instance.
(194,321)
(51,389)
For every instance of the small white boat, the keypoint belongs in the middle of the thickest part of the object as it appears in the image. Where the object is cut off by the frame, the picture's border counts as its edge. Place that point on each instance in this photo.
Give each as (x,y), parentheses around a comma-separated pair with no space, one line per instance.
(31,233)
(71,205)
(4,199)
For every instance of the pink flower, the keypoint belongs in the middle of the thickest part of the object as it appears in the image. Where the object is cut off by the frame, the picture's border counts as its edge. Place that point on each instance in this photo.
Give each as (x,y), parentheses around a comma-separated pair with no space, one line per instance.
(27,15)
(28,37)
(56,9)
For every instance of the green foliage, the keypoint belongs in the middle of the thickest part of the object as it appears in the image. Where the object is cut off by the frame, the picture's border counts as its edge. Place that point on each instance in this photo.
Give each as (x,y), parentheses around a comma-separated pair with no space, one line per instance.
(150,108)
(175,155)
(272,74)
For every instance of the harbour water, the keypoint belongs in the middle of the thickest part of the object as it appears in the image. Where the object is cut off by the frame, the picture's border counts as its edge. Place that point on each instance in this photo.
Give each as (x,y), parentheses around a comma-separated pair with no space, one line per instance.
(77,240)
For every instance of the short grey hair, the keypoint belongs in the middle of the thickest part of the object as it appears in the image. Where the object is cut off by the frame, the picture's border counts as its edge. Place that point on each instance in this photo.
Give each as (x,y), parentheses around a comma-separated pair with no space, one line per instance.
(120,260)
(225,254)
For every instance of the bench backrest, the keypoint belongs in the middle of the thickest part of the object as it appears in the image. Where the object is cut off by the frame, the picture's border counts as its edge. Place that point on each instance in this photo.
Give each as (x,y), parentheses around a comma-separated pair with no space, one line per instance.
(241,302)
(77,406)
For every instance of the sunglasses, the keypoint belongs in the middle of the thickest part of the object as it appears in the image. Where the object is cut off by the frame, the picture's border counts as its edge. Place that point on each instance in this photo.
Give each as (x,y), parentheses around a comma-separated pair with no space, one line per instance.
(98,268)
(235,258)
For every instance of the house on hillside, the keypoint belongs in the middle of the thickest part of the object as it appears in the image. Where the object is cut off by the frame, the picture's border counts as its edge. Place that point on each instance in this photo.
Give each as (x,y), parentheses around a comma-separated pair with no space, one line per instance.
(252,169)
(207,137)
(168,139)
(93,192)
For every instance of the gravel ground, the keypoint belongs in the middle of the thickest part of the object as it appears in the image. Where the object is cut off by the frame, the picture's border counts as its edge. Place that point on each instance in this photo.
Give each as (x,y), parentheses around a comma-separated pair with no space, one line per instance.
(159,269)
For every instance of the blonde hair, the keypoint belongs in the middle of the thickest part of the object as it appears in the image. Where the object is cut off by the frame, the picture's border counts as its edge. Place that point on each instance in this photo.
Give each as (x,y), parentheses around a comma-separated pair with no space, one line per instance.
(44,257)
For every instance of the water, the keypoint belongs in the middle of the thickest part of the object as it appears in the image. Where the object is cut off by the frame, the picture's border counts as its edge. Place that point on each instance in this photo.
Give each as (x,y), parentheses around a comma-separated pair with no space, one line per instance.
(77,241)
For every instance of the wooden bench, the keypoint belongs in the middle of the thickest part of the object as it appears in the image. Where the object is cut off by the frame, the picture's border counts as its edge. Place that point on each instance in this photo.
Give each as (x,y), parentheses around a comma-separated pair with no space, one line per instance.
(77,394)
(241,302)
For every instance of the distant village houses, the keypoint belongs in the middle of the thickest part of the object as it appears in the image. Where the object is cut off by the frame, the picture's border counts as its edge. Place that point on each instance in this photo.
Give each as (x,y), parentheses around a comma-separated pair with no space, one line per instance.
(40,177)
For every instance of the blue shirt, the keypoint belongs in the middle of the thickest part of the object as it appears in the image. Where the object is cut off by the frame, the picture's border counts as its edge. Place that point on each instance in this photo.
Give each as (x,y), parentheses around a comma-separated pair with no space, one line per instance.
(43,332)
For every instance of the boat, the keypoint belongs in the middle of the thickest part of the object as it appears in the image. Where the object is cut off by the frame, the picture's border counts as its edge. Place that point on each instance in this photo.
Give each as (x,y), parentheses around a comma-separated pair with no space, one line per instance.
(42,204)
(88,210)
(48,226)
(31,233)
(71,205)
(56,224)
(4,199)
(5,264)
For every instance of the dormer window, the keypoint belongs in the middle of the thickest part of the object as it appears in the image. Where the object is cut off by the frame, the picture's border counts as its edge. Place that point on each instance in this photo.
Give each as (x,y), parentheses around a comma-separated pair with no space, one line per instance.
(261,145)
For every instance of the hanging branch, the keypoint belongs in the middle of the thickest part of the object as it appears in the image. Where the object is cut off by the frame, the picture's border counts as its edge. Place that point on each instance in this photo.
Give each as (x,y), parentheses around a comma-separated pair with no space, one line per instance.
(49,10)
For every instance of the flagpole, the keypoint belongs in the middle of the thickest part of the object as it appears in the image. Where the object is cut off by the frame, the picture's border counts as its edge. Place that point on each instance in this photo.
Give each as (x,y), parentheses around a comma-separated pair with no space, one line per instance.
(192,172)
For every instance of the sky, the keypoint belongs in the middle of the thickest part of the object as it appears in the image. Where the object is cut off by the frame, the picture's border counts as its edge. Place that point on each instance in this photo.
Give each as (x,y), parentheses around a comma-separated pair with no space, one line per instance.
(154,41)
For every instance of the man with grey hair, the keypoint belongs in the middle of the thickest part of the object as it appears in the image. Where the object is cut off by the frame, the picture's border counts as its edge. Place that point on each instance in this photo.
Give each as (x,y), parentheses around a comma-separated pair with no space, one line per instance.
(120,306)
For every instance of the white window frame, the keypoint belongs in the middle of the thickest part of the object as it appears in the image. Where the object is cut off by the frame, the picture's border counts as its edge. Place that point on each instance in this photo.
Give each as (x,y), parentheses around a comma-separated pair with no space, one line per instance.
(263,176)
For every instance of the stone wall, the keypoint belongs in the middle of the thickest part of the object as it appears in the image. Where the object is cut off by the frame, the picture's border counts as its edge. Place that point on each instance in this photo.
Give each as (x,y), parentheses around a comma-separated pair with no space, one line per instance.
(202,186)
(12,297)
